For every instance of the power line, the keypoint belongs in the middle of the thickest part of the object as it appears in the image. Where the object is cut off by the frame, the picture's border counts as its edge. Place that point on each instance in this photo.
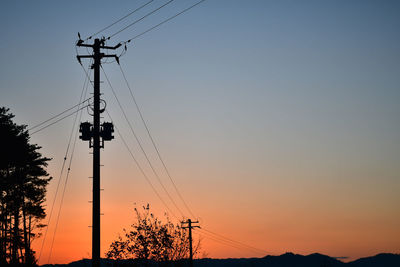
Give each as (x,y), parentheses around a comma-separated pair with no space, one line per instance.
(153,142)
(61,204)
(164,21)
(83,94)
(221,241)
(68,171)
(59,212)
(52,206)
(136,21)
(141,169)
(140,145)
(66,116)
(226,243)
(86,73)
(55,116)
(112,24)
(234,241)
(59,180)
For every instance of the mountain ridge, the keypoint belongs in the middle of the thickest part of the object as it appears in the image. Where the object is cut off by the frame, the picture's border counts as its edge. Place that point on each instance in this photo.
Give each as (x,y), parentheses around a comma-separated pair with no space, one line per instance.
(288,259)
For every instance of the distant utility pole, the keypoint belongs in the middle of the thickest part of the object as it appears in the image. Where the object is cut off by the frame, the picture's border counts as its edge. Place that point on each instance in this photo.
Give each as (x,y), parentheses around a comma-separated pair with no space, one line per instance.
(190,226)
(96,134)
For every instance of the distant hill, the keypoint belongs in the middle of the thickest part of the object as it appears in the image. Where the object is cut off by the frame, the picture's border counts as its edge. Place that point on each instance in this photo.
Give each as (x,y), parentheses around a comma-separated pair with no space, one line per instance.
(284,260)
(384,260)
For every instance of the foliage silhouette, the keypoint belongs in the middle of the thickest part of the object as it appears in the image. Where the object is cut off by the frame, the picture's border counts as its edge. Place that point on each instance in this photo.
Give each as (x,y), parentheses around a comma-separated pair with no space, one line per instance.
(151,239)
(23,181)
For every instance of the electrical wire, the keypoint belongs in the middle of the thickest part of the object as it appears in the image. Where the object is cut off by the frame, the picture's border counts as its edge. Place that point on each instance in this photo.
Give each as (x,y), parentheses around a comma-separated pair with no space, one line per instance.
(221,241)
(59,180)
(154,144)
(52,206)
(237,243)
(58,115)
(83,94)
(112,24)
(141,169)
(164,21)
(87,74)
(140,145)
(136,21)
(66,116)
(62,197)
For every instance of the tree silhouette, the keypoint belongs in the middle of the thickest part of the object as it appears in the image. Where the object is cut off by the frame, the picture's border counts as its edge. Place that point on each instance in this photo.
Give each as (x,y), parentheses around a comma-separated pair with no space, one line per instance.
(23,181)
(150,239)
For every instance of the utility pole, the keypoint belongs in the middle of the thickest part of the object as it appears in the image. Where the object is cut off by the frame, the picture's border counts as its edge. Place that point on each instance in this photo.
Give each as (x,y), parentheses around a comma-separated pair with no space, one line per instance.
(190,227)
(96,134)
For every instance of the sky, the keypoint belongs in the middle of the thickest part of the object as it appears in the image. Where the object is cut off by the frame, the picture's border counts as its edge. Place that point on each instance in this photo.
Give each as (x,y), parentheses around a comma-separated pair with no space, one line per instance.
(279,121)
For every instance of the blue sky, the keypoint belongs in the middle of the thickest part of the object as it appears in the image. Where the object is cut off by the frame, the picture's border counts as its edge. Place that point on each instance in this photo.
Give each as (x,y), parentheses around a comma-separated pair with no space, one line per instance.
(268,97)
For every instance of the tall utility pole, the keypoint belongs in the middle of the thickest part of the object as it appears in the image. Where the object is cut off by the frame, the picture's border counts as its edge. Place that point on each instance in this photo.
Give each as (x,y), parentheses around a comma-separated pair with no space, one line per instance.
(96,134)
(190,227)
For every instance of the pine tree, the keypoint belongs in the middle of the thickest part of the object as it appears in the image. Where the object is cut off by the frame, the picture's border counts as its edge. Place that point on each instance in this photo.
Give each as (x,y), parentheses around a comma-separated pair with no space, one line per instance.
(23,181)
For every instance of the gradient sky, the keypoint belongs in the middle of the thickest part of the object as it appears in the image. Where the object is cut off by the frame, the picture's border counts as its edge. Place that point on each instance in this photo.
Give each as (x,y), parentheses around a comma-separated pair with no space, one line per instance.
(278,120)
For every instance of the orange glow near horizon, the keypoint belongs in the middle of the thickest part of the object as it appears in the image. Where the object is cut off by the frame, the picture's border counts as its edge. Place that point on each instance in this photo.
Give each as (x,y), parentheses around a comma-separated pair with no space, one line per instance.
(277,226)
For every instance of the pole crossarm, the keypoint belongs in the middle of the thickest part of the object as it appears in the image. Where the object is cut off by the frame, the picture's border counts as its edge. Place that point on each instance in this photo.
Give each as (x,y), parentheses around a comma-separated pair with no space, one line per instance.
(190,222)
(111,47)
(102,55)
(102,46)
